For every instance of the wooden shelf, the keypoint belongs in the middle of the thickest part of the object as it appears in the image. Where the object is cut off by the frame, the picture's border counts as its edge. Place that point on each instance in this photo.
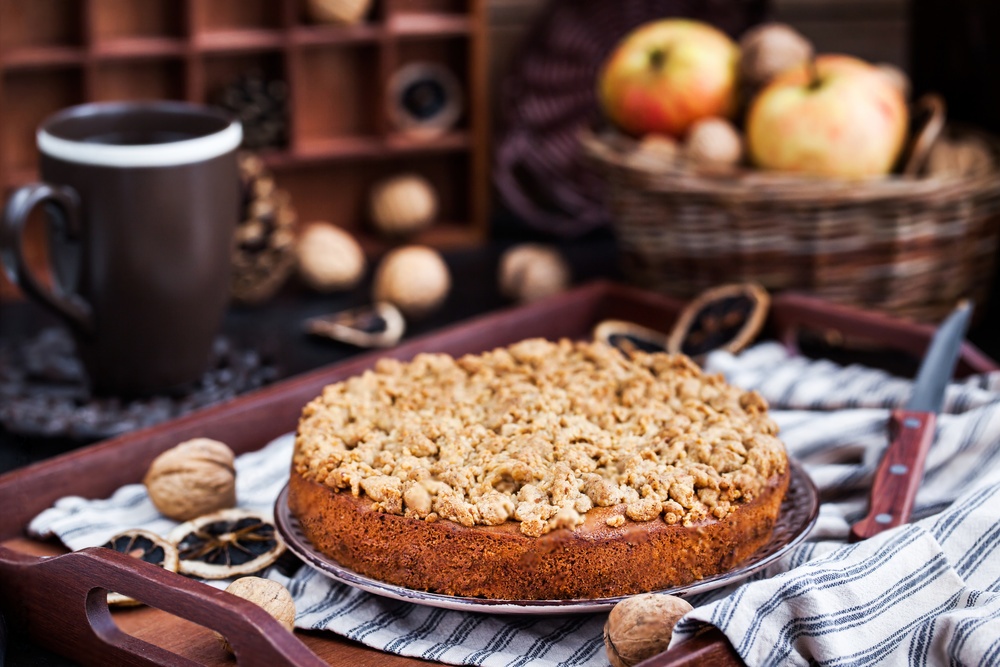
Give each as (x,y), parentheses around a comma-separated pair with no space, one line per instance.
(429,25)
(348,34)
(238,40)
(443,235)
(27,57)
(341,138)
(139,47)
(361,147)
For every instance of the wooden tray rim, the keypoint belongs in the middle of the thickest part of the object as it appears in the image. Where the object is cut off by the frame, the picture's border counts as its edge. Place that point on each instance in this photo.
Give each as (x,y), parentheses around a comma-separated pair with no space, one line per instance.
(789,311)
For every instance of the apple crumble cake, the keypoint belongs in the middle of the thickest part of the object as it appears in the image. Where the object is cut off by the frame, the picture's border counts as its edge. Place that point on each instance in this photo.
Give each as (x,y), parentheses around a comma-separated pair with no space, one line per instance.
(543,470)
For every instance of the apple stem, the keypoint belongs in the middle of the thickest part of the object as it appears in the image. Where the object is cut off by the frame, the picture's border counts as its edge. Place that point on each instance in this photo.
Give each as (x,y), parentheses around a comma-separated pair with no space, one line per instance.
(657,58)
(814,80)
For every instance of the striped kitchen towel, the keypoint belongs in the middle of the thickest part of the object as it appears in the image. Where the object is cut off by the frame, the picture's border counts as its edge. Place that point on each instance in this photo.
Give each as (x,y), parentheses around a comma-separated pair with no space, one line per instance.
(928,592)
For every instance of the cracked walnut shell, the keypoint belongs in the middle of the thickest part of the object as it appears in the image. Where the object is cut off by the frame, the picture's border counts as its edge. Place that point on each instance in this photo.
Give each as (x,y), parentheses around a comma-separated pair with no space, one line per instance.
(329,258)
(268,594)
(403,205)
(640,627)
(530,271)
(194,478)
(415,279)
(770,49)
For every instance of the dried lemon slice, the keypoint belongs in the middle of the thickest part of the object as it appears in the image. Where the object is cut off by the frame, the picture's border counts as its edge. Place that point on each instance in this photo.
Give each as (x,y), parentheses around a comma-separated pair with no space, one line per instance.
(145,546)
(227,543)
(722,318)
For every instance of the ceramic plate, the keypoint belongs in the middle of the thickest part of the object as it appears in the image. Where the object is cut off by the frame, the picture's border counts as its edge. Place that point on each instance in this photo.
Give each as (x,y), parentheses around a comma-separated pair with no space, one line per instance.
(798,515)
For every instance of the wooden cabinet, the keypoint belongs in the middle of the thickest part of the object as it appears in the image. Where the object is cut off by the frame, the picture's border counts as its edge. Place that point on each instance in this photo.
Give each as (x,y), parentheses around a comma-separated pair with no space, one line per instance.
(340,134)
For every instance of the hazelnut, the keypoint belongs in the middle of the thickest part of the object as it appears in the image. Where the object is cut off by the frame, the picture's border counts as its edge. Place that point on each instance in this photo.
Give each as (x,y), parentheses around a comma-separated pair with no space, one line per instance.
(337,11)
(529,272)
(268,594)
(714,142)
(329,258)
(194,478)
(640,627)
(770,49)
(656,152)
(415,279)
(403,205)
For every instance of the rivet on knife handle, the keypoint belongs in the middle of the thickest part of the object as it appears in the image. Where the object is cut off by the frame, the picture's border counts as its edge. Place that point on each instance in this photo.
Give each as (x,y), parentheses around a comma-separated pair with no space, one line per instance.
(899,474)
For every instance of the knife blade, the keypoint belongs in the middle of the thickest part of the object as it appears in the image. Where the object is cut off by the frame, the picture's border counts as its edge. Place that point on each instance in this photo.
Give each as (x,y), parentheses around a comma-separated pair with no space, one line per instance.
(911,430)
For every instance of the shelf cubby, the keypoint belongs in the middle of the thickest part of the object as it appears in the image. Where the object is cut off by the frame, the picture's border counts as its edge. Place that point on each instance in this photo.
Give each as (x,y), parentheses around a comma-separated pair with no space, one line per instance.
(40,24)
(424,7)
(341,139)
(221,69)
(129,20)
(27,96)
(342,87)
(138,80)
(374,15)
(215,16)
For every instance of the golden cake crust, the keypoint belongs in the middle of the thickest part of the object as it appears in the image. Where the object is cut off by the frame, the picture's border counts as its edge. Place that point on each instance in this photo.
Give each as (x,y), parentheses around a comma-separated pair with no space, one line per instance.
(538,471)
(593,561)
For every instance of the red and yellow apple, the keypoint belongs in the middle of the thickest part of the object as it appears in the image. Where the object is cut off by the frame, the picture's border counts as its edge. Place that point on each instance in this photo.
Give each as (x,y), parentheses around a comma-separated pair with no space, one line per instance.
(838,116)
(665,75)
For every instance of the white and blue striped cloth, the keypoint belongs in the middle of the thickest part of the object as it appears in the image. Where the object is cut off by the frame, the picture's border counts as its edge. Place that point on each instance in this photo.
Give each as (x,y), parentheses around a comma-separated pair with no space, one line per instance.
(926,593)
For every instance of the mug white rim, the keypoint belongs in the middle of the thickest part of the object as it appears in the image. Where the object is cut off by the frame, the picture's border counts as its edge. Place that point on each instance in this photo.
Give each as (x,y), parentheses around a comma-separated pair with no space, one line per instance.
(187,151)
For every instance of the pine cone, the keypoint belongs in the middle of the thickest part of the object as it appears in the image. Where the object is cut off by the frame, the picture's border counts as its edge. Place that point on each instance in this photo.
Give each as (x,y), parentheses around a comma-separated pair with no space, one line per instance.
(264,251)
(261,105)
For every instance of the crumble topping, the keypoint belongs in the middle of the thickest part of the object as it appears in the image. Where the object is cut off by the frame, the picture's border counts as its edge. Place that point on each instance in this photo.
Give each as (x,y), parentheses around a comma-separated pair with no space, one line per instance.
(541,432)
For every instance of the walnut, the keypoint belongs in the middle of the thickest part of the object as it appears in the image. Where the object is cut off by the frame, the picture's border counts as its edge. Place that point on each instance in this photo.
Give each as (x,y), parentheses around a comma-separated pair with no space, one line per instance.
(770,49)
(329,258)
(402,205)
(194,478)
(530,271)
(415,279)
(338,11)
(640,627)
(713,142)
(268,594)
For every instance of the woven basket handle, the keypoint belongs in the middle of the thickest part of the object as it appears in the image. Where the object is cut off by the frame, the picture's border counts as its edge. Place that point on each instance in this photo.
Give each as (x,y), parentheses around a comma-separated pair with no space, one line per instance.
(932,107)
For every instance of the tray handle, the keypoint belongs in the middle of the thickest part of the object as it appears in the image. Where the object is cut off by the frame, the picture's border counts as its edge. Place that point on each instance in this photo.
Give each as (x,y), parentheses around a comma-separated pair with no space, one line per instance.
(792,313)
(63,600)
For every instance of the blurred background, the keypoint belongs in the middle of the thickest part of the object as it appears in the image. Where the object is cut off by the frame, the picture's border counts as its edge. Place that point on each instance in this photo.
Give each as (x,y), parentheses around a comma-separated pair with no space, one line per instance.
(456,125)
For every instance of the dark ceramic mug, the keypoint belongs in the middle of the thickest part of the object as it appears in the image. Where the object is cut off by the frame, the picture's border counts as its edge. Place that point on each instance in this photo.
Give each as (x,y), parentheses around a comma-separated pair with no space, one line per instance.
(142,199)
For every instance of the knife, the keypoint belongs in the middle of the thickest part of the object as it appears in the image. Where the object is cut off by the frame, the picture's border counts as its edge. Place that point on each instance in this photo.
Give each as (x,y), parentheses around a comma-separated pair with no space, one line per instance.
(911,429)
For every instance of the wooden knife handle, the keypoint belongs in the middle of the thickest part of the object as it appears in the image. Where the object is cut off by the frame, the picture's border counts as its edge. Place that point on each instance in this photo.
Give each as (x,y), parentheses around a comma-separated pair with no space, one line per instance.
(899,474)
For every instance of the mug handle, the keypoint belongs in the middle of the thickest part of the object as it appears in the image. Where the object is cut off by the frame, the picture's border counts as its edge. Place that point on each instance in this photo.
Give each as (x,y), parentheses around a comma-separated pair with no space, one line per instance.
(65,209)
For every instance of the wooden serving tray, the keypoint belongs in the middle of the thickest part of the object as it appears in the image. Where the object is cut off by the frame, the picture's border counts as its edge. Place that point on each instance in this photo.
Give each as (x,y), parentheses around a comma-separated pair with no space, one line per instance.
(59,602)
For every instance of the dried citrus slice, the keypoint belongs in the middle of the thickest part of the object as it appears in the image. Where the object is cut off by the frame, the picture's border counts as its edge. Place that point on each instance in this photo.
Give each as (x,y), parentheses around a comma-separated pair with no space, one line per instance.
(723,318)
(630,337)
(145,546)
(228,543)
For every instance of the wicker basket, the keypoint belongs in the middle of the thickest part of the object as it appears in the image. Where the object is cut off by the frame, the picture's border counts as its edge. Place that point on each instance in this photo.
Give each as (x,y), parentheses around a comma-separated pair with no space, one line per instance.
(910,246)
(549,95)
